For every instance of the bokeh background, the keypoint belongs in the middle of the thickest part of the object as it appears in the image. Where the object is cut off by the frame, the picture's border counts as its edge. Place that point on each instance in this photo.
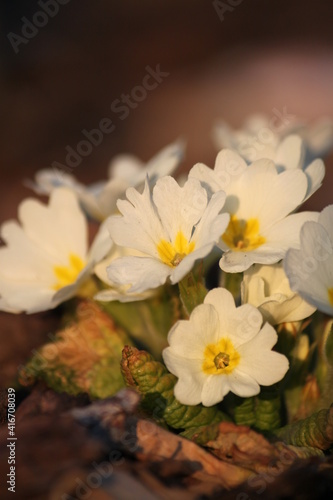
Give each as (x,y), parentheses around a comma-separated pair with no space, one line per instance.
(263,55)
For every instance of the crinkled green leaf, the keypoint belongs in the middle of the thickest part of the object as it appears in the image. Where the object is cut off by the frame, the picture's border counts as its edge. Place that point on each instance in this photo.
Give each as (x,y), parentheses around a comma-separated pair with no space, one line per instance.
(315,431)
(244,412)
(306,451)
(261,412)
(156,385)
(268,409)
(84,357)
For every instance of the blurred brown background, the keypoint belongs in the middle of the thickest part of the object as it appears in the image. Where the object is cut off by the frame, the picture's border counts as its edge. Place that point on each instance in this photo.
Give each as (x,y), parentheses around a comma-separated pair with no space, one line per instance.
(64,78)
(263,55)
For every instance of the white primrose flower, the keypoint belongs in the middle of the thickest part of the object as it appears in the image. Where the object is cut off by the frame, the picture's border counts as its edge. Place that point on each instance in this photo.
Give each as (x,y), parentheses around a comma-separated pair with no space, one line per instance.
(256,139)
(259,201)
(173,227)
(261,136)
(4,307)
(310,268)
(118,292)
(222,348)
(287,153)
(290,154)
(46,260)
(267,288)
(259,139)
(99,199)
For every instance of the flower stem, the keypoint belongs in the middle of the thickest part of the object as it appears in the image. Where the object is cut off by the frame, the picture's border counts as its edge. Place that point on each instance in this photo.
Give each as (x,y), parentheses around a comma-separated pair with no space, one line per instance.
(192,291)
(232,282)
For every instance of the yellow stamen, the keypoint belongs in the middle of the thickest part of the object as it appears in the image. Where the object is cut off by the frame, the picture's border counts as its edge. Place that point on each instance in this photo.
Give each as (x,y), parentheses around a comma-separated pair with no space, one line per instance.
(173,253)
(221,358)
(243,235)
(66,275)
(330,295)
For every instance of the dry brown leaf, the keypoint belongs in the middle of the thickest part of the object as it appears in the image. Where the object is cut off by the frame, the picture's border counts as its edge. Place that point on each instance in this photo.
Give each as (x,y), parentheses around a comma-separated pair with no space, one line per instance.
(147,441)
(157,444)
(247,448)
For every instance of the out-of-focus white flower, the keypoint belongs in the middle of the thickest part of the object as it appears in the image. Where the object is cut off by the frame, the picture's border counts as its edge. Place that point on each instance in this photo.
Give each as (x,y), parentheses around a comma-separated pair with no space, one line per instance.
(267,288)
(117,292)
(260,136)
(46,260)
(287,153)
(4,307)
(173,227)
(310,268)
(99,199)
(222,348)
(290,155)
(259,201)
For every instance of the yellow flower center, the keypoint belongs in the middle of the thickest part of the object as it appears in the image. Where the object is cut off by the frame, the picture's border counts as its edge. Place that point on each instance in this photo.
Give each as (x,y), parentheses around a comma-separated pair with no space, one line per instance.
(243,235)
(66,275)
(330,295)
(173,253)
(221,358)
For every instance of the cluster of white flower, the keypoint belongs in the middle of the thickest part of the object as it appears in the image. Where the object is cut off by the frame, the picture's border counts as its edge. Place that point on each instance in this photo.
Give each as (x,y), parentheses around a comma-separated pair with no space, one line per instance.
(153,232)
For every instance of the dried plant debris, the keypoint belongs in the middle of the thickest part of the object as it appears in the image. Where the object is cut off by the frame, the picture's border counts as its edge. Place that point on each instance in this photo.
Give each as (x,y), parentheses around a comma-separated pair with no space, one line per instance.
(245,461)
(72,449)
(146,441)
(242,446)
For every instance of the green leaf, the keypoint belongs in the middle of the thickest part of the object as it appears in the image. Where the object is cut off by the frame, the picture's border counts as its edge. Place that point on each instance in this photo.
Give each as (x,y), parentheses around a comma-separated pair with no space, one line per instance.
(244,412)
(152,380)
(261,412)
(314,432)
(84,357)
(147,322)
(268,413)
(306,452)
